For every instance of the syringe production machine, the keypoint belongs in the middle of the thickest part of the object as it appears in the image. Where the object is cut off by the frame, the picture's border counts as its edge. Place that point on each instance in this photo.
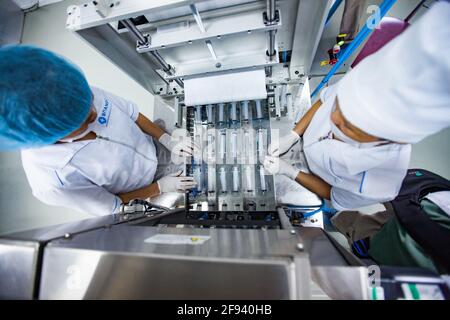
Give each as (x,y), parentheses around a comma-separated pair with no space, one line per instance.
(234,237)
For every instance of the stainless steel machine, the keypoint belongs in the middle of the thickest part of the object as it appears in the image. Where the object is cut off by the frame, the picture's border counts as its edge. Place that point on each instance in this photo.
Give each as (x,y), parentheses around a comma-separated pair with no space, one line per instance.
(237,236)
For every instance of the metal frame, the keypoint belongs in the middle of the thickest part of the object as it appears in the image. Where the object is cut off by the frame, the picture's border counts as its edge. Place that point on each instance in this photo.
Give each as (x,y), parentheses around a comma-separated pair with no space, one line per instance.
(311,16)
(218,28)
(153,70)
(359,39)
(86,15)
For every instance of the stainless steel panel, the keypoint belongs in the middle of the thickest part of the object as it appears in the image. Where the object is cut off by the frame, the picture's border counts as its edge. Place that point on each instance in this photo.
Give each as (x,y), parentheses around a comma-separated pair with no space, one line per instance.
(223,243)
(59,231)
(117,263)
(84,274)
(309,26)
(343,283)
(18,261)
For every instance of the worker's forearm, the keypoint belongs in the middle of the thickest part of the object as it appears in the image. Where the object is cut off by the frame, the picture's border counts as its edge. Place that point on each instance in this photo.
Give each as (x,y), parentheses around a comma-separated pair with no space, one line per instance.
(314,184)
(304,122)
(142,193)
(149,127)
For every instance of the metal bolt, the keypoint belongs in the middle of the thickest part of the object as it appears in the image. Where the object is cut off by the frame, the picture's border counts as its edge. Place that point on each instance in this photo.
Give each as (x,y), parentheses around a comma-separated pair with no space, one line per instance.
(67,236)
(300,246)
(218,65)
(292,231)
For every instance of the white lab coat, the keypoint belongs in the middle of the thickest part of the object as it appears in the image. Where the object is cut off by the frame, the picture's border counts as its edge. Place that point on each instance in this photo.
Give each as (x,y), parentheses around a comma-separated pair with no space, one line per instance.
(88,175)
(358,176)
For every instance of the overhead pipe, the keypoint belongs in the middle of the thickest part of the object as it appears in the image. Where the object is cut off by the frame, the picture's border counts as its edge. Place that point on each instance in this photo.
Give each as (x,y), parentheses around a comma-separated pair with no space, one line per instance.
(333,9)
(143,40)
(359,39)
(270,12)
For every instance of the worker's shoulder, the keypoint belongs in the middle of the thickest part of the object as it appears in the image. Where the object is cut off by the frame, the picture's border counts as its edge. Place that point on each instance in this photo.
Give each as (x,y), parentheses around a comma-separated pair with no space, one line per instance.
(50,157)
(50,174)
(101,95)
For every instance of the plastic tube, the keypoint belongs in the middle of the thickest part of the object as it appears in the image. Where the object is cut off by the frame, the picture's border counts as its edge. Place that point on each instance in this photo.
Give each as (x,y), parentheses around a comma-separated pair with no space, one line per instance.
(235,179)
(223,179)
(211,179)
(261,144)
(258,109)
(198,178)
(234,145)
(221,112)
(360,37)
(210,114)
(222,143)
(262,178)
(198,114)
(233,113)
(248,178)
(247,146)
(210,140)
(245,115)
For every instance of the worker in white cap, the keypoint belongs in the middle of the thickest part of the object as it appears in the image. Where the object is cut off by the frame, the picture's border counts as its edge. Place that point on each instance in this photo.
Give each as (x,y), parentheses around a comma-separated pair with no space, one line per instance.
(357,138)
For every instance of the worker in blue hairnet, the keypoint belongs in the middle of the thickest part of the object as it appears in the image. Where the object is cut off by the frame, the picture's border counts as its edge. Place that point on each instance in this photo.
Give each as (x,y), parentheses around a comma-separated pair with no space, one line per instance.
(82,147)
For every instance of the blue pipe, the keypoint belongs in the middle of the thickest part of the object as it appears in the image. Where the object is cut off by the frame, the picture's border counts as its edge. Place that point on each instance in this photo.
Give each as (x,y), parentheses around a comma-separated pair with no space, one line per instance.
(333,9)
(362,35)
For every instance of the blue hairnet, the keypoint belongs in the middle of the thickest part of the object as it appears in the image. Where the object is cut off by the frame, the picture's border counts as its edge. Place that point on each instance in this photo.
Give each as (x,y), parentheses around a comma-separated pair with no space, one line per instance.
(43,97)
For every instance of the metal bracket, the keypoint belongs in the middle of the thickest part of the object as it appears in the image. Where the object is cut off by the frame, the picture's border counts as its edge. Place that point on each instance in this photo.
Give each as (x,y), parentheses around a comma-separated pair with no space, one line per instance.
(218,28)
(203,68)
(142,47)
(266,20)
(103,7)
(73,17)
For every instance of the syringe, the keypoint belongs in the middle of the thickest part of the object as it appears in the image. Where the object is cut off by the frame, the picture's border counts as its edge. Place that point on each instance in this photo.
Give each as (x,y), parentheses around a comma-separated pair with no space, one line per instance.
(262,178)
(233,113)
(245,116)
(235,179)
(221,112)
(223,179)
(210,114)
(259,114)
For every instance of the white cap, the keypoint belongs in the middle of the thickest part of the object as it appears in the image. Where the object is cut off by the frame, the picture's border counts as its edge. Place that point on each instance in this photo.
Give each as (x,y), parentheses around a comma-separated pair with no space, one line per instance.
(402,92)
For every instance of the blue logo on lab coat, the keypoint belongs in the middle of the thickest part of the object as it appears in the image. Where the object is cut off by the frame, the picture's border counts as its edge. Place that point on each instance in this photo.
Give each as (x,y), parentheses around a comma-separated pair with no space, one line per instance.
(105,113)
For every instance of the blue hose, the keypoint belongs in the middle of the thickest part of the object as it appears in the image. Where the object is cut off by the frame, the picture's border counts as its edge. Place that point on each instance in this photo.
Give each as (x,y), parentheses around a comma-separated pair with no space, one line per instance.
(333,9)
(323,208)
(362,35)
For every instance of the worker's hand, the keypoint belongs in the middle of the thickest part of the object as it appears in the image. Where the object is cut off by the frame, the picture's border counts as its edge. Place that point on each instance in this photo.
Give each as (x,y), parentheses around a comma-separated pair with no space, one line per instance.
(275,165)
(175,182)
(284,143)
(183,147)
